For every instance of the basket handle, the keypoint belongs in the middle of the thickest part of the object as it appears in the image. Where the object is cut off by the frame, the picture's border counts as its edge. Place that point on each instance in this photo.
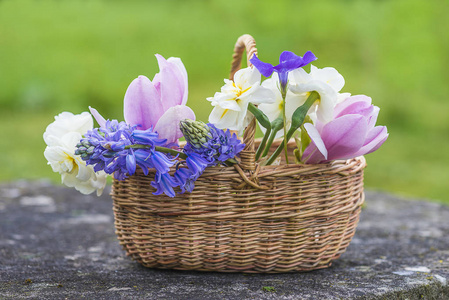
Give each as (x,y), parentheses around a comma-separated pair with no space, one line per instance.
(247,155)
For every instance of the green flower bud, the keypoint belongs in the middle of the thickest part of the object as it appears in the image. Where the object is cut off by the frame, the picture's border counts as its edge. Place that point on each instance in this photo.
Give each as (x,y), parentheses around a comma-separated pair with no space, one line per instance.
(90,150)
(196,133)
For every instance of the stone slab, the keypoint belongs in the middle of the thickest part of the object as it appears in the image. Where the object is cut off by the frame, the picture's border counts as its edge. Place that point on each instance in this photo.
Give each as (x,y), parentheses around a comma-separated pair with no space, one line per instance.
(58,244)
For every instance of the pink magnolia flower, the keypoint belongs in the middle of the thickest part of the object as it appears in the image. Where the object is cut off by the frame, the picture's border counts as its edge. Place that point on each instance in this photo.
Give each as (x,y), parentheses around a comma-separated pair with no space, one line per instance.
(160,103)
(351,133)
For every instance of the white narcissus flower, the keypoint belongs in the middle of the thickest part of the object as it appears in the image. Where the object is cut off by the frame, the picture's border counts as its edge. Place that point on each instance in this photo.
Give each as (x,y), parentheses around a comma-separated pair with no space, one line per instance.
(67,122)
(327,82)
(61,138)
(231,104)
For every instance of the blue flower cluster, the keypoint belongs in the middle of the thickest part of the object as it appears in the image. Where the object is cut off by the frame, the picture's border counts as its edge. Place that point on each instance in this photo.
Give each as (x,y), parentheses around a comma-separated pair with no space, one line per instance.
(112,149)
(118,148)
(219,148)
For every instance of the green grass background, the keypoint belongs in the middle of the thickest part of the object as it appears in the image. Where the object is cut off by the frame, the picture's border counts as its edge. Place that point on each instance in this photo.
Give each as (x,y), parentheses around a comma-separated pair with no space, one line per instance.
(66,55)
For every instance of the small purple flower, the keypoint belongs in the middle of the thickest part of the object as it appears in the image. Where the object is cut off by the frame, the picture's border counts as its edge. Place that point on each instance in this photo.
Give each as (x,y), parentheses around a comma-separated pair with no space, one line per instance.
(213,144)
(226,144)
(206,146)
(186,179)
(147,137)
(164,183)
(196,164)
(105,149)
(288,61)
(109,148)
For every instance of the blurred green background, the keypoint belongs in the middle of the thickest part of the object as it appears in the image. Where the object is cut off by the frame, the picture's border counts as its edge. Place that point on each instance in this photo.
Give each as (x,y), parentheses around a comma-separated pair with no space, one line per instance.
(66,55)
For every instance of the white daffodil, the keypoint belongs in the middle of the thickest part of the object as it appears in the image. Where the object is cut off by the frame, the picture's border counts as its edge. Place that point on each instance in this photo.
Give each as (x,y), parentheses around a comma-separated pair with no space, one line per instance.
(67,122)
(231,104)
(327,82)
(61,138)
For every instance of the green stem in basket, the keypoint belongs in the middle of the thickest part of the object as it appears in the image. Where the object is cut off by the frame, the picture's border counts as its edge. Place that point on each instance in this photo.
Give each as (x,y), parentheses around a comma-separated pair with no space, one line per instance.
(276,125)
(262,144)
(264,122)
(297,120)
(284,95)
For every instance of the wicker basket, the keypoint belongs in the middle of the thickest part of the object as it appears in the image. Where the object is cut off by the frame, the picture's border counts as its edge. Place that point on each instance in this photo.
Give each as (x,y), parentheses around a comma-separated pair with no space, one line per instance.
(244,218)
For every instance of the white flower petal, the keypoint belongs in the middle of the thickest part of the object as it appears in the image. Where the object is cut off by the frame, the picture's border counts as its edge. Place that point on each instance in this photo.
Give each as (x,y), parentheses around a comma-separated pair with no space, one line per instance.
(262,95)
(244,78)
(299,76)
(68,122)
(328,75)
(230,104)
(84,172)
(328,98)
(61,138)
(342,97)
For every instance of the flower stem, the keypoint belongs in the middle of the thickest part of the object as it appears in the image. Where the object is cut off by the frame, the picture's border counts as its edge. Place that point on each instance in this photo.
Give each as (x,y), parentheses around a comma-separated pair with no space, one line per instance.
(263,143)
(171,151)
(276,125)
(284,95)
(159,149)
(229,162)
(297,120)
(264,122)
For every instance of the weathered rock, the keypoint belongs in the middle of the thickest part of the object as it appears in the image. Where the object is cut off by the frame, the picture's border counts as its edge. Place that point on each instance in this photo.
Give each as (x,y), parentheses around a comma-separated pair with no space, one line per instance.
(56,243)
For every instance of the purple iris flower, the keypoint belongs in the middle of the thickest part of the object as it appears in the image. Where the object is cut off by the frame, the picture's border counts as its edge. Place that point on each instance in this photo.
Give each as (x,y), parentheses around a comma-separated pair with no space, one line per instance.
(288,61)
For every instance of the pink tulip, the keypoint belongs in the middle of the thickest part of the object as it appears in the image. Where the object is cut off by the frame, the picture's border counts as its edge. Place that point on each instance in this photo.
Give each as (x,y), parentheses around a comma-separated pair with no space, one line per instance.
(159,104)
(351,133)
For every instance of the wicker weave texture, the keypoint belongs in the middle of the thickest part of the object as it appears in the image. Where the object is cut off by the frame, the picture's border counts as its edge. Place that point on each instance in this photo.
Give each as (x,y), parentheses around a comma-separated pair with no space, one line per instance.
(302,219)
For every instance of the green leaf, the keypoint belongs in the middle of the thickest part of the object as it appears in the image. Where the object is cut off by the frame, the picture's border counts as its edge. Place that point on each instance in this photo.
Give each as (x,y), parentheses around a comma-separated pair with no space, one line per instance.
(260,116)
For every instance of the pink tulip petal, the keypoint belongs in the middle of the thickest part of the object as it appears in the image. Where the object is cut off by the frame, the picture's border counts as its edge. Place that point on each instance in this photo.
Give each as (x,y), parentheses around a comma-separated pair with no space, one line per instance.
(316,138)
(168,124)
(99,118)
(344,136)
(183,72)
(171,83)
(142,105)
(359,104)
(374,140)
(312,155)
(373,118)
(157,83)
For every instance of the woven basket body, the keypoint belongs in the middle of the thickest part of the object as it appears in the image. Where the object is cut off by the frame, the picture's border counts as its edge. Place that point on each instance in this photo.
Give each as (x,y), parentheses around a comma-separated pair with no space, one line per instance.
(246,218)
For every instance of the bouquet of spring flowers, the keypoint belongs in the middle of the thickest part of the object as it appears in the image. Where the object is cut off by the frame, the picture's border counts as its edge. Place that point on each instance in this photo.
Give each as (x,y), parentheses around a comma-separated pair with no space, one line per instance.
(291,104)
